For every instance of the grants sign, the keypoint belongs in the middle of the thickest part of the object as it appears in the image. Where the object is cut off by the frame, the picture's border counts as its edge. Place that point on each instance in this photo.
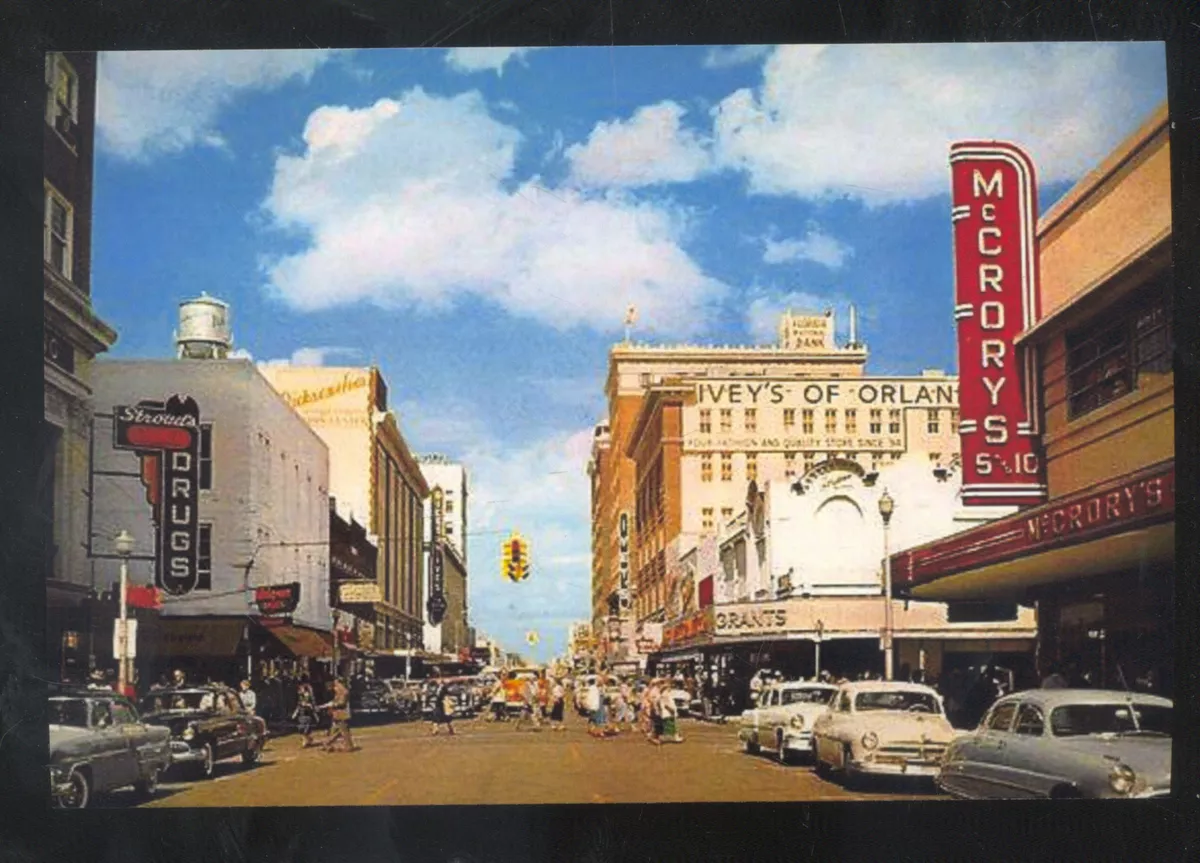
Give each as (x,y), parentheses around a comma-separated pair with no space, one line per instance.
(994,209)
(750,620)
(166,437)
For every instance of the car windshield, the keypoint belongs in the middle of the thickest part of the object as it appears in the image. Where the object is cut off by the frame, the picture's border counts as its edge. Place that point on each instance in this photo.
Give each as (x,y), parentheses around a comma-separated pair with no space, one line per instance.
(68,711)
(190,699)
(807,696)
(897,699)
(1118,718)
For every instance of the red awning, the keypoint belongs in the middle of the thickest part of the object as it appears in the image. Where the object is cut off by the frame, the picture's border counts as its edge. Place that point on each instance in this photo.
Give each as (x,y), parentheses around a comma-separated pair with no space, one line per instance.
(301,641)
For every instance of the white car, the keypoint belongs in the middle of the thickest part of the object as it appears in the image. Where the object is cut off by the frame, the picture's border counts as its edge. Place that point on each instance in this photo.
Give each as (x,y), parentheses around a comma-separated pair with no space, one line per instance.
(878,727)
(783,721)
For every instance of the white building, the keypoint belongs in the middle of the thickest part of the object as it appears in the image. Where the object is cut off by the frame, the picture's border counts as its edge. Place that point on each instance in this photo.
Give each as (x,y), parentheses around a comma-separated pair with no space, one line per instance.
(448,480)
(452,478)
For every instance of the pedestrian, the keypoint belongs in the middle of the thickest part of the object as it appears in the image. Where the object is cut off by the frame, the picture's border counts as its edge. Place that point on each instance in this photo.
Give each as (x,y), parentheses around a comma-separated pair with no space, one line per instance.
(543,696)
(497,703)
(443,709)
(179,678)
(558,696)
(305,713)
(593,702)
(339,713)
(670,718)
(249,699)
(654,698)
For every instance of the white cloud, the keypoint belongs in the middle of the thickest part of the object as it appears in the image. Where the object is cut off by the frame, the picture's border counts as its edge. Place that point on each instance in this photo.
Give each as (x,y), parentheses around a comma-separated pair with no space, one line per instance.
(875,122)
(651,147)
(724,56)
(412,202)
(159,102)
(762,314)
(469,60)
(311,356)
(815,246)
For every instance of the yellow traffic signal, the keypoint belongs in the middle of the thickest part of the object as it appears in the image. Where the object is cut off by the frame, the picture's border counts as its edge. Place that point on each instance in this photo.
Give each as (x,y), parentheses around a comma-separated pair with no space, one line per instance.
(514,558)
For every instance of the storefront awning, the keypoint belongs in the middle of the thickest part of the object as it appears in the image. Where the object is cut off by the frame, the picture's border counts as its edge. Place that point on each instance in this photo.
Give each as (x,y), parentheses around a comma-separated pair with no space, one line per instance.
(300,641)
(181,636)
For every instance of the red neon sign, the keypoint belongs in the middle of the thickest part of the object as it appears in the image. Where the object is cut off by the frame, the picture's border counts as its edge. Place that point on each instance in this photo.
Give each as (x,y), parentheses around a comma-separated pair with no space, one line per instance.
(994,198)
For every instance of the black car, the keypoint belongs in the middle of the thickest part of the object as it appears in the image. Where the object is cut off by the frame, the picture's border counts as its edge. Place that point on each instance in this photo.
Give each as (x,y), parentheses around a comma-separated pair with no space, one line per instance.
(208,723)
(372,697)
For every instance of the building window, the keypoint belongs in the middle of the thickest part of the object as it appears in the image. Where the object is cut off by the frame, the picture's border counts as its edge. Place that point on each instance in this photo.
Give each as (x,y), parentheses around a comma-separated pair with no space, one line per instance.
(726,514)
(876,421)
(935,457)
(644,379)
(726,419)
(932,423)
(751,466)
(851,421)
(806,421)
(726,467)
(706,519)
(789,418)
(789,464)
(894,421)
(58,233)
(62,94)
(206,459)
(204,557)
(705,421)
(895,456)
(447,505)
(1106,361)
(751,419)
(706,467)
(852,456)
(830,420)
(954,421)
(809,458)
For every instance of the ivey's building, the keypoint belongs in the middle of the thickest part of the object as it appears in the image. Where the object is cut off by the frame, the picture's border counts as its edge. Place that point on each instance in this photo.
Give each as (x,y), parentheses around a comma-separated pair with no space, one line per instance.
(224,488)
(1098,557)
(73,336)
(373,477)
(446,626)
(689,426)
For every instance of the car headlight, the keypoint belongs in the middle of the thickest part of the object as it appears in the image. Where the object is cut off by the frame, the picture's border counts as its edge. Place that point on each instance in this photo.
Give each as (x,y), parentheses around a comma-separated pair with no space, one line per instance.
(189,732)
(1121,779)
(797,721)
(57,772)
(870,740)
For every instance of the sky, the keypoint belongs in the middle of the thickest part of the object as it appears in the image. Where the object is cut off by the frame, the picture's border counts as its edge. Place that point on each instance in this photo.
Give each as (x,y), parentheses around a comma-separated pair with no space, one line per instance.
(475,222)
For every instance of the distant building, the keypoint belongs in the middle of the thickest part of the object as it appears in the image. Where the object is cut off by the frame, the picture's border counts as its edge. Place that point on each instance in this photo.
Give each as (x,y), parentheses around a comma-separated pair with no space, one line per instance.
(452,477)
(446,515)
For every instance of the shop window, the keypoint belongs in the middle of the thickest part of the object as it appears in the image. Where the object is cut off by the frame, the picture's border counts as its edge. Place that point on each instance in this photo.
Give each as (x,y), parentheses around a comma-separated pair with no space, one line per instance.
(726,467)
(932,423)
(876,425)
(726,419)
(806,421)
(751,466)
(1106,361)
(750,419)
(706,470)
(894,421)
(830,420)
(705,421)
(789,418)
(204,557)
(58,232)
(206,458)
(851,421)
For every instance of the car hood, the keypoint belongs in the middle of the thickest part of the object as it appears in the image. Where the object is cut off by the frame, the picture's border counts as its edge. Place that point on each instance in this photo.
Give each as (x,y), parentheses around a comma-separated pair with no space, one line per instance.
(893,725)
(1149,757)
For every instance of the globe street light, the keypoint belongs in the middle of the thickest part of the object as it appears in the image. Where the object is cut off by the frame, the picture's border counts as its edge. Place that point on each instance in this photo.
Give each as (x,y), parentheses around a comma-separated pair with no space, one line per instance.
(123,542)
(886,507)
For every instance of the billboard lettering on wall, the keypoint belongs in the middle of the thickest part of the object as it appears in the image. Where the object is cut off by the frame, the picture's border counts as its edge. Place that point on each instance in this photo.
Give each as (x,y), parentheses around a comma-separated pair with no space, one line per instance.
(994,198)
(623,592)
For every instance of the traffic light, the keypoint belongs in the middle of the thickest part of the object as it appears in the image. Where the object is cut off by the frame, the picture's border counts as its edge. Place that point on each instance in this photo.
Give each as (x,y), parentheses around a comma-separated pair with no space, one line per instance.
(514,562)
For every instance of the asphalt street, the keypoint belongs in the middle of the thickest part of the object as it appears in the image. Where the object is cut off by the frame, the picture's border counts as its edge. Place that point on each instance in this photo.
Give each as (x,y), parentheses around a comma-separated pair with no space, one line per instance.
(402,763)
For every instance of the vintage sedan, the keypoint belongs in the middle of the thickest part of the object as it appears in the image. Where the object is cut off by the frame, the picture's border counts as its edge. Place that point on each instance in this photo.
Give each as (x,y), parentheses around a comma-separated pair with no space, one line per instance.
(877,727)
(784,719)
(1064,743)
(99,744)
(208,724)
(373,697)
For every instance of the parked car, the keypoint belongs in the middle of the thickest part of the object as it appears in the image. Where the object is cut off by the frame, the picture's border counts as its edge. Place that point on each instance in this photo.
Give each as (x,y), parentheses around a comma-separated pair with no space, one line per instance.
(408,697)
(784,719)
(98,743)
(1056,743)
(373,697)
(882,727)
(207,723)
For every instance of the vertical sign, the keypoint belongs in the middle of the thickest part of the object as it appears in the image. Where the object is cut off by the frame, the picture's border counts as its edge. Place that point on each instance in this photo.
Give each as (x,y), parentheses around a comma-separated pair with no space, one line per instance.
(436,605)
(994,198)
(166,436)
(623,594)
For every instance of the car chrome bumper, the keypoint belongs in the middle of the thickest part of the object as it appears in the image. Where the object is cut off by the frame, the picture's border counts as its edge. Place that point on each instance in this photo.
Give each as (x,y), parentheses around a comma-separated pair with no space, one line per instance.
(181,753)
(898,768)
(798,740)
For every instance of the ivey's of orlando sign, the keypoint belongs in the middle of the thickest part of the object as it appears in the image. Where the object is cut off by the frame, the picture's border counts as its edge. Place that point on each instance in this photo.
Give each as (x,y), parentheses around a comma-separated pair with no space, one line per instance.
(436,605)
(166,437)
(892,392)
(994,198)
(623,560)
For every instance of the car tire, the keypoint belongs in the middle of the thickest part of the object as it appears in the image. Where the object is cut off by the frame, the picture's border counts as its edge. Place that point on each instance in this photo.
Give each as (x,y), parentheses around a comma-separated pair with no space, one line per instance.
(252,754)
(850,778)
(81,785)
(204,768)
(750,747)
(781,754)
(148,786)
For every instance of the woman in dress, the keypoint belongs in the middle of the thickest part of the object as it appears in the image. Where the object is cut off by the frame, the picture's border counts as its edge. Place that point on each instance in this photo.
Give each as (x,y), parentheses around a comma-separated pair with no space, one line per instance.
(305,713)
(443,709)
(558,695)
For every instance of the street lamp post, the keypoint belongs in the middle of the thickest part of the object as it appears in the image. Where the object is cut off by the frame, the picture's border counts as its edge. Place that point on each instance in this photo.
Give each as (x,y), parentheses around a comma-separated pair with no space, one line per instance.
(124,545)
(886,507)
(817,646)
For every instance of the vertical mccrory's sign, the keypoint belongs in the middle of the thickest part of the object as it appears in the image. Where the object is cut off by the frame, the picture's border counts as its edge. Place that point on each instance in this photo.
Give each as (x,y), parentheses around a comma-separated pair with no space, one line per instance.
(623,595)
(436,605)
(166,437)
(994,198)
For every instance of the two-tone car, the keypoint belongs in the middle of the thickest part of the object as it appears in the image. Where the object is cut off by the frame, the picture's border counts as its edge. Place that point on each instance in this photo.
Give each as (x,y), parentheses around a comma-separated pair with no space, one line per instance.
(98,743)
(374,698)
(208,724)
(876,727)
(1064,743)
(784,718)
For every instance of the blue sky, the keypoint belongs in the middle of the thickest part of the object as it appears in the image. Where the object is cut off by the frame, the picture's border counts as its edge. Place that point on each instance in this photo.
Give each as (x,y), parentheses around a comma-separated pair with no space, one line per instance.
(475,222)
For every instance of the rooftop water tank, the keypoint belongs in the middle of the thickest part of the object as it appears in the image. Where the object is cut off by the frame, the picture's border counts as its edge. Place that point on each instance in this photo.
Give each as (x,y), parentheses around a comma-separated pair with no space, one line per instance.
(204,330)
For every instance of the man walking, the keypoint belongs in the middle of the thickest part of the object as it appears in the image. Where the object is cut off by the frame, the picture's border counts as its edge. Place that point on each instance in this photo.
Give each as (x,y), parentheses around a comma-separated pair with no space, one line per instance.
(249,699)
(339,712)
